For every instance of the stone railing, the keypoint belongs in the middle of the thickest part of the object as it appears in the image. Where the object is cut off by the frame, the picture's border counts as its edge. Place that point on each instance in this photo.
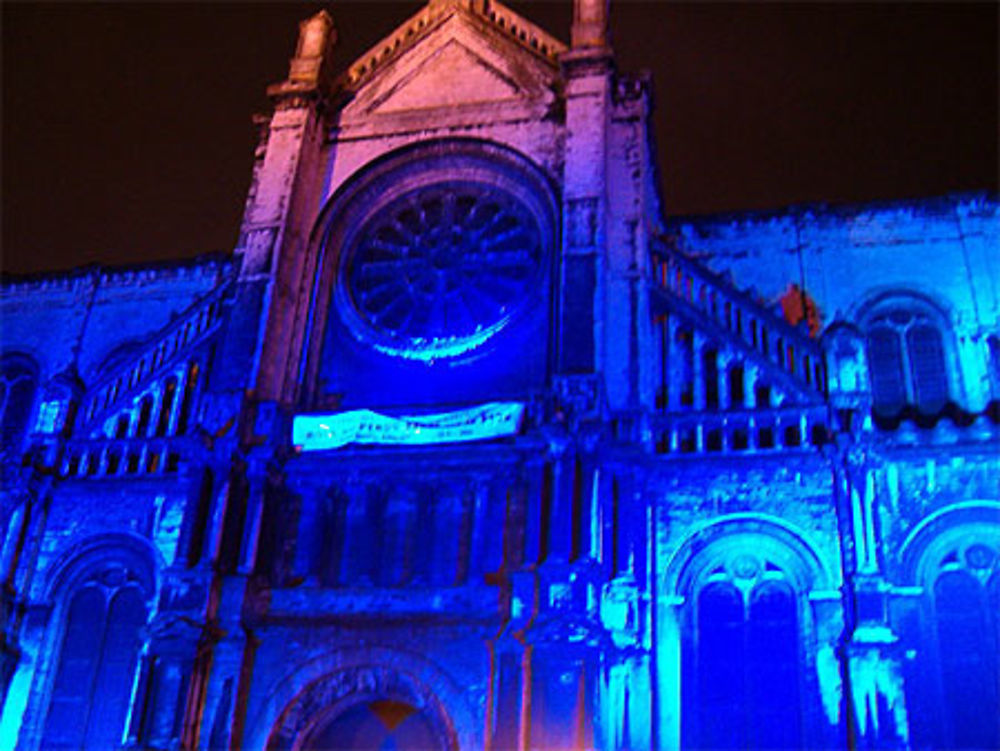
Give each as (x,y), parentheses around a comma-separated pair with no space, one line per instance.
(740,431)
(119,387)
(123,457)
(741,318)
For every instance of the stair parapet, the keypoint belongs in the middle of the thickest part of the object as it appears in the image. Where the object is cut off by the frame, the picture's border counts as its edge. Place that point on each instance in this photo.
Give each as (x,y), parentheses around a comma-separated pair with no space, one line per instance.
(739,316)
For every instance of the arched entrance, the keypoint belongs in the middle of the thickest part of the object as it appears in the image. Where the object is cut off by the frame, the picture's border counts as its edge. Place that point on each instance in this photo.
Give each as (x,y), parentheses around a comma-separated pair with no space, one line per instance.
(364,709)
(382,724)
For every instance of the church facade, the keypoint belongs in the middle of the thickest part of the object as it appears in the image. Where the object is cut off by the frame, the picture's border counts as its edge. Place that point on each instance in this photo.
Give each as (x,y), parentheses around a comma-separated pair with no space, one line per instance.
(466,446)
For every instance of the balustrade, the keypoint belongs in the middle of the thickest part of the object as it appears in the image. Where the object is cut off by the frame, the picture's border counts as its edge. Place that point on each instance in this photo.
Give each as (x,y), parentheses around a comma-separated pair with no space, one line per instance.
(155,360)
(122,457)
(746,320)
(738,431)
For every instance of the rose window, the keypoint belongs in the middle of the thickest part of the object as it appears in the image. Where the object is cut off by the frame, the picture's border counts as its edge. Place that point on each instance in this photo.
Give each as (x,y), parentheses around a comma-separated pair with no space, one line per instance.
(438,270)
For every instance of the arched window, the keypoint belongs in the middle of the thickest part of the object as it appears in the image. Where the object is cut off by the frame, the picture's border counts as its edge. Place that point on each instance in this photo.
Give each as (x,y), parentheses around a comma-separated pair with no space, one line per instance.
(748,667)
(963,633)
(906,356)
(18,386)
(97,661)
(742,685)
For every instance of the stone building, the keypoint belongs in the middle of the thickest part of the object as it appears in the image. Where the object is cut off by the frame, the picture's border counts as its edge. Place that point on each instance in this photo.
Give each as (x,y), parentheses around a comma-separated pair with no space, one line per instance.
(465,446)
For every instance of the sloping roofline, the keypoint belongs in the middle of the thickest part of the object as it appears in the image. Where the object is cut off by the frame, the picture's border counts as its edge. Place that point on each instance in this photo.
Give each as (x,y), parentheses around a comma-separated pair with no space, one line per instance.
(417,27)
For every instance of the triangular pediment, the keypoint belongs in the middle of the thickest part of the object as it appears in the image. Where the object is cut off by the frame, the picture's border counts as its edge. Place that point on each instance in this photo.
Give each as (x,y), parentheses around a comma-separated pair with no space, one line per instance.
(457,58)
(452,75)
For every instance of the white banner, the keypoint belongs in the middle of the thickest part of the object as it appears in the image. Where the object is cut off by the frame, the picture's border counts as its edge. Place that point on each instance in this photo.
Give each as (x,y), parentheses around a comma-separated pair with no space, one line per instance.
(322,432)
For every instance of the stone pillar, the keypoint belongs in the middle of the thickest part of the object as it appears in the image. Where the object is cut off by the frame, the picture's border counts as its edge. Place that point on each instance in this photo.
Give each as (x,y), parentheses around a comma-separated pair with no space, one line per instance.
(724,360)
(166,670)
(698,369)
(509,673)
(563,679)
(446,511)
(179,394)
(561,510)
(878,699)
(398,536)
(536,489)
(257,473)
(667,661)
(750,375)
(587,70)
(485,530)
(221,703)
(356,563)
(673,367)
(274,245)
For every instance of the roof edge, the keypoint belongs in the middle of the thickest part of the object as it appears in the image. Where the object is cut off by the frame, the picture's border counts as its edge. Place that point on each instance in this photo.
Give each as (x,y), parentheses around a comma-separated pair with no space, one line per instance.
(844,209)
(514,26)
(215,264)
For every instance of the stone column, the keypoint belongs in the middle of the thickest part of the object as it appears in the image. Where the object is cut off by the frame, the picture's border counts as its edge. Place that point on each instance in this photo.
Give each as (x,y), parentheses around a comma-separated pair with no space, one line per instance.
(509,673)
(398,530)
(256,478)
(667,661)
(590,24)
(447,514)
(724,359)
(484,533)
(750,375)
(356,566)
(166,672)
(698,374)
(587,72)
(878,699)
(673,367)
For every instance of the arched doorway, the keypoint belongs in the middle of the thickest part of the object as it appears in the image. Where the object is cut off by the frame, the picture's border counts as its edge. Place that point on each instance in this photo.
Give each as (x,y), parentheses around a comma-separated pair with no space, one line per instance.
(375,725)
(364,708)
(953,689)
(744,638)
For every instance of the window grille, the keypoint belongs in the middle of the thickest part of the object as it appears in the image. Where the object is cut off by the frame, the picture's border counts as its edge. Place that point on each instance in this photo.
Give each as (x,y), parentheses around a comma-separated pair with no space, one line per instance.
(906,357)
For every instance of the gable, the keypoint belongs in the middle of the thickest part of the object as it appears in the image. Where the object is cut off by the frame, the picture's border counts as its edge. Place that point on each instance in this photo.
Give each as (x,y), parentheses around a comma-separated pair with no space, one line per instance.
(461,60)
(453,75)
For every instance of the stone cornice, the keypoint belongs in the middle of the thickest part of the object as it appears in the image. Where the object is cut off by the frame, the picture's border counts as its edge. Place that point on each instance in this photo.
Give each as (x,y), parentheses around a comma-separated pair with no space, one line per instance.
(210,265)
(418,26)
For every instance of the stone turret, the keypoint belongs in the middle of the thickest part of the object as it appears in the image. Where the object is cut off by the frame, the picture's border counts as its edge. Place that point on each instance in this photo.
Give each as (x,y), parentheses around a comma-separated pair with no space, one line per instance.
(590,24)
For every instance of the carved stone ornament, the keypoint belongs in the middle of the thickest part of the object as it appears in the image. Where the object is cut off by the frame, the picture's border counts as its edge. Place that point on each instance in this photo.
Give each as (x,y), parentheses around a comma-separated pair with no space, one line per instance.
(442,267)
(325,699)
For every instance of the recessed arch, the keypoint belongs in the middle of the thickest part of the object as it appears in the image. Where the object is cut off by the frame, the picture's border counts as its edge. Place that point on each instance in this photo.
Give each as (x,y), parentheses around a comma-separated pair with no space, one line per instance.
(923,544)
(81,558)
(374,703)
(748,634)
(913,361)
(701,547)
(102,590)
(19,389)
(329,684)
(437,187)
(953,557)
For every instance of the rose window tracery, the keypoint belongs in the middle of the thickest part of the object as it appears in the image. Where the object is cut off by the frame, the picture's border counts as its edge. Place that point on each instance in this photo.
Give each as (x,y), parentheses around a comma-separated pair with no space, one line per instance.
(439,269)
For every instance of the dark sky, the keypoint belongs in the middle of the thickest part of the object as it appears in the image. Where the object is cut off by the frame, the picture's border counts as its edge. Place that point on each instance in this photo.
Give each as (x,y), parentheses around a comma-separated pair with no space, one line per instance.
(127,135)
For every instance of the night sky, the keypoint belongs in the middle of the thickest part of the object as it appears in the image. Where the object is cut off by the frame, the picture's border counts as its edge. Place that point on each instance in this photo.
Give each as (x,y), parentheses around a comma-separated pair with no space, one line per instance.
(127,135)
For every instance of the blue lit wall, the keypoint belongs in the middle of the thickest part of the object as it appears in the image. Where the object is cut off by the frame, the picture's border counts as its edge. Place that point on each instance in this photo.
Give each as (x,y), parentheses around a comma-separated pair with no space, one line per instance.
(751,499)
